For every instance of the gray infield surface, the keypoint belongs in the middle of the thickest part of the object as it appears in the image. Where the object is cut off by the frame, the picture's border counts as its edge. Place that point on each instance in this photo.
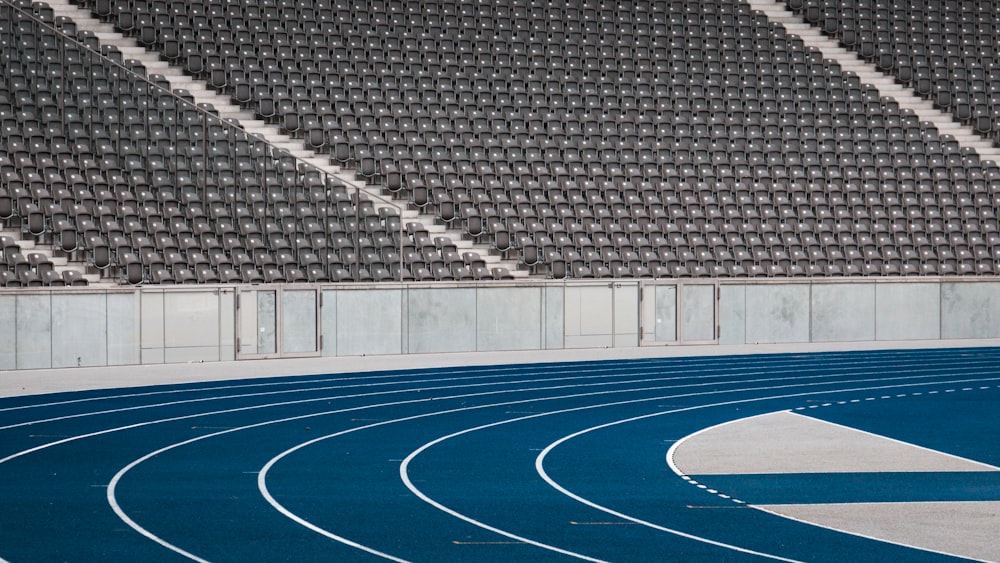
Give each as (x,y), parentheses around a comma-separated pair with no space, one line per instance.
(964,529)
(784,442)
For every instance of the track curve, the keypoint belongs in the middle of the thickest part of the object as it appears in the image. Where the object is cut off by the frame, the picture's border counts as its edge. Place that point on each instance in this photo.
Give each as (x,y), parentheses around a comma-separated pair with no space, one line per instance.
(540,462)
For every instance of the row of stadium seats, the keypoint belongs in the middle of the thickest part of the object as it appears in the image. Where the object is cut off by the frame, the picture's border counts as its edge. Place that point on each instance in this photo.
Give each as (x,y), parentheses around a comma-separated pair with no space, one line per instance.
(948,52)
(106,165)
(533,128)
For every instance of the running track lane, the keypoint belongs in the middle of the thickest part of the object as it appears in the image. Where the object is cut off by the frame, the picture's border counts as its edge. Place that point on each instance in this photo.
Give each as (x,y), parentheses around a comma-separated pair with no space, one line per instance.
(431,464)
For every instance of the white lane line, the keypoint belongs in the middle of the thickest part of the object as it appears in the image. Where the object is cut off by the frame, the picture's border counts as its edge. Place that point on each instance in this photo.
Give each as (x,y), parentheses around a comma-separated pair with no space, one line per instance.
(112,488)
(695,366)
(501,380)
(393,392)
(103,432)
(262,476)
(318,379)
(400,378)
(308,390)
(865,536)
(540,469)
(271,405)
(540,460)
(727,381)
(728,377)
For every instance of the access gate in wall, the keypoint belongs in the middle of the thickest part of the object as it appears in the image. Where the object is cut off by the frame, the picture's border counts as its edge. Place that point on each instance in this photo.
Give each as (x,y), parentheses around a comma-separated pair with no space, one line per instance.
(277,322)
(679,312)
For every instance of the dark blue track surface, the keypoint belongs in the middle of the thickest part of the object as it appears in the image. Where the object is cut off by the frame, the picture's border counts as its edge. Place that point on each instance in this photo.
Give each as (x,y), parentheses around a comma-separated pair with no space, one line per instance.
(509,463)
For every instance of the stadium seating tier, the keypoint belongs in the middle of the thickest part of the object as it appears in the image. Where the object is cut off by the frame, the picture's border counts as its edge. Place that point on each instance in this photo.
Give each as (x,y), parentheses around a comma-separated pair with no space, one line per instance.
(599,139)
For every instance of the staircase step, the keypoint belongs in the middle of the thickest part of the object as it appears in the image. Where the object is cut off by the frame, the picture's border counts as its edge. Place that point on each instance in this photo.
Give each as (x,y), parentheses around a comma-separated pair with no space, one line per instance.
(850,62)
(203,94)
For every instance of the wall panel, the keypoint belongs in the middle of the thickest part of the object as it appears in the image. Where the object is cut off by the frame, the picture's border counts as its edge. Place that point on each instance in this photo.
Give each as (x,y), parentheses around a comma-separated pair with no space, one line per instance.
(843,312)
(368,322)
(777,313)
(970,310)
(441,320)
(509,318)
(8,331)
(908,311)
(79,330)
(34,331)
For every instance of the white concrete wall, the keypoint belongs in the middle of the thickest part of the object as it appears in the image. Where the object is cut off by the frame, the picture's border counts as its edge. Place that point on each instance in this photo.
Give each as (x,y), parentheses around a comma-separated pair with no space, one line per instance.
(908,311)
(509,318)
(123,329)
(8,331)
(697,312)
(842,312)
(47,328)
(777,313)
(441,320)
(79,325)
(34,330)
(363,322)
(733,314)
(553,318)
(970,310)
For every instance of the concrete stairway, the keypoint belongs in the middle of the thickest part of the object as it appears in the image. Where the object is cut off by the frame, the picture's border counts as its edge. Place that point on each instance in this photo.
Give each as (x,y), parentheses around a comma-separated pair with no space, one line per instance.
(202,94)
(60,262)
(849,61)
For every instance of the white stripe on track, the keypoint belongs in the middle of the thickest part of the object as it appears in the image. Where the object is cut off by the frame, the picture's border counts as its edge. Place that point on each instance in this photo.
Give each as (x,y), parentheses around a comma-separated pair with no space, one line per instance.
(329,388)
(694,365)
(415,490)
(673,376)
(832,377)
(112,487)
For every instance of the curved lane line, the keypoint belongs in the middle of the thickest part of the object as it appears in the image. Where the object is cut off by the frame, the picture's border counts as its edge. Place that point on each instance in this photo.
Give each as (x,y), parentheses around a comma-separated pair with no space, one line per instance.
(262,486)
(254,407)
(330,388)
(409,484)
(112,487)
(540,460)
(96,433)
(694,367)
(673,377)
(262,475)
(403,378)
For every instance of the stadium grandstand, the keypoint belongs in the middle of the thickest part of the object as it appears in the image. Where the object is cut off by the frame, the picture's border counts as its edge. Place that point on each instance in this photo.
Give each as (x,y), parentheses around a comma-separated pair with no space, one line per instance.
(154,142)
(644,280)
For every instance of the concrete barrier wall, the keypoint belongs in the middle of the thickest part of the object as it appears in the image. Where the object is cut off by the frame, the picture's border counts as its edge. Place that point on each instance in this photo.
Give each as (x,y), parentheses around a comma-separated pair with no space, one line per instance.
(91,327)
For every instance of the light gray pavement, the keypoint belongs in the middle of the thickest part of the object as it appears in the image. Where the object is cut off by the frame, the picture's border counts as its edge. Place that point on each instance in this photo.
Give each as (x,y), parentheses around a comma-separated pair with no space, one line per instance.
(963,529)
(785,442)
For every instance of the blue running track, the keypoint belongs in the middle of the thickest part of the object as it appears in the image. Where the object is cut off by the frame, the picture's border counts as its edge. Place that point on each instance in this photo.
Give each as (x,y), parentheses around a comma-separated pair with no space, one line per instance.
(541,462)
